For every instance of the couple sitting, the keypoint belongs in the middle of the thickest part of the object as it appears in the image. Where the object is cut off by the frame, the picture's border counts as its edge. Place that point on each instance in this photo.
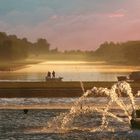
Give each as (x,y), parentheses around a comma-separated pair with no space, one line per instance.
(49,74)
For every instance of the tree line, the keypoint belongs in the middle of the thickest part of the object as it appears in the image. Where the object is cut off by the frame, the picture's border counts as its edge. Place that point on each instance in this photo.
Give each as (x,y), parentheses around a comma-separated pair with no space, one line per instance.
(14,48)
(126,52)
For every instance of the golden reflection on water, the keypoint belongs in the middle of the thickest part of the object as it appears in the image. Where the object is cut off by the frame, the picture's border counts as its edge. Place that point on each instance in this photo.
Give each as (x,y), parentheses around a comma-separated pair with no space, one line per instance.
(78,66)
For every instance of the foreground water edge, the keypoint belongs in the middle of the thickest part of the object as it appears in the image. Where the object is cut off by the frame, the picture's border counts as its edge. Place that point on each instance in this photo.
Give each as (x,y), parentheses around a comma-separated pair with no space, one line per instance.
(104,117)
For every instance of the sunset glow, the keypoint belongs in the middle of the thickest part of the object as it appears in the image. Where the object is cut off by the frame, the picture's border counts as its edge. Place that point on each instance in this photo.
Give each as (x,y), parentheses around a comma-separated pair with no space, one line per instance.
(72,24)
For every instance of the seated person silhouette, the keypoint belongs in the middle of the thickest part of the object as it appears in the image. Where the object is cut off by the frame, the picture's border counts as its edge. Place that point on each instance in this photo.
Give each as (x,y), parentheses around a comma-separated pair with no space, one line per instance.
(53,74)
(49,74)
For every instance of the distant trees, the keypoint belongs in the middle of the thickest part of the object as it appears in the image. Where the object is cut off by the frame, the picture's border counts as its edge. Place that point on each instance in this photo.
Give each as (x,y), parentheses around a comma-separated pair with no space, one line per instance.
(42,46)
(132,51)
(54,51)
(110,51)
(13,48)
(127,52)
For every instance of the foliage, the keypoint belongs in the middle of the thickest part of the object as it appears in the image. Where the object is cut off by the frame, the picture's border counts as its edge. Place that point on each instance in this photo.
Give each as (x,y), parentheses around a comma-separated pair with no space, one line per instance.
(13,48)
(127,52)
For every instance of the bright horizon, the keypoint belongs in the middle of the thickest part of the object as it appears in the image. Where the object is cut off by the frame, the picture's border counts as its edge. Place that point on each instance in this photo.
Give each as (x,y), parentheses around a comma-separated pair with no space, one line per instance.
(72,24)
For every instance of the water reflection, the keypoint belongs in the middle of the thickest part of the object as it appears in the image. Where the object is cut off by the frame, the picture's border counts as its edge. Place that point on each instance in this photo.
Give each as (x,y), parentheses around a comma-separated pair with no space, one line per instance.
(70,70)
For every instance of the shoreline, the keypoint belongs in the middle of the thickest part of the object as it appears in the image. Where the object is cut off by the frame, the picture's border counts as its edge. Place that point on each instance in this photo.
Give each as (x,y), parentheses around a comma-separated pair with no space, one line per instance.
(11,66)
(12,69)
(53,89)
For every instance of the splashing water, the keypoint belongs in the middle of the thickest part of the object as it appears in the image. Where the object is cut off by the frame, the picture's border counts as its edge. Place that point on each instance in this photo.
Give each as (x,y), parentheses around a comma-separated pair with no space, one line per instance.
(81,109)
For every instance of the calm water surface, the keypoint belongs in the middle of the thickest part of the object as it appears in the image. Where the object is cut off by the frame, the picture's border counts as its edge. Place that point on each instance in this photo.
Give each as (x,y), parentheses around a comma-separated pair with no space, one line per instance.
(70,71)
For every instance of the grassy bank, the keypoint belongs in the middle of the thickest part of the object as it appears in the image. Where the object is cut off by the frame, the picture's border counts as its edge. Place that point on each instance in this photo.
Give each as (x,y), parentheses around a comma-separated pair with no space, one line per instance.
(65,84)
(52,89)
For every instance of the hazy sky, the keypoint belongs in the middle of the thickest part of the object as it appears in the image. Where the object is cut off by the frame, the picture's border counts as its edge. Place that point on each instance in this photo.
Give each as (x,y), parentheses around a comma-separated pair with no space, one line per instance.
(72,24)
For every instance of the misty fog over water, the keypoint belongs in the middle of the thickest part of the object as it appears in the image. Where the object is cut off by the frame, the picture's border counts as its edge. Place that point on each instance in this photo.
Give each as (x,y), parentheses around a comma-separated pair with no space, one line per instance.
(70,71)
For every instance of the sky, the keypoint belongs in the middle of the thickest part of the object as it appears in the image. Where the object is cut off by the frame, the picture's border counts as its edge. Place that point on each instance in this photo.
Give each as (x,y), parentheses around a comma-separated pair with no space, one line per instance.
(72,24)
